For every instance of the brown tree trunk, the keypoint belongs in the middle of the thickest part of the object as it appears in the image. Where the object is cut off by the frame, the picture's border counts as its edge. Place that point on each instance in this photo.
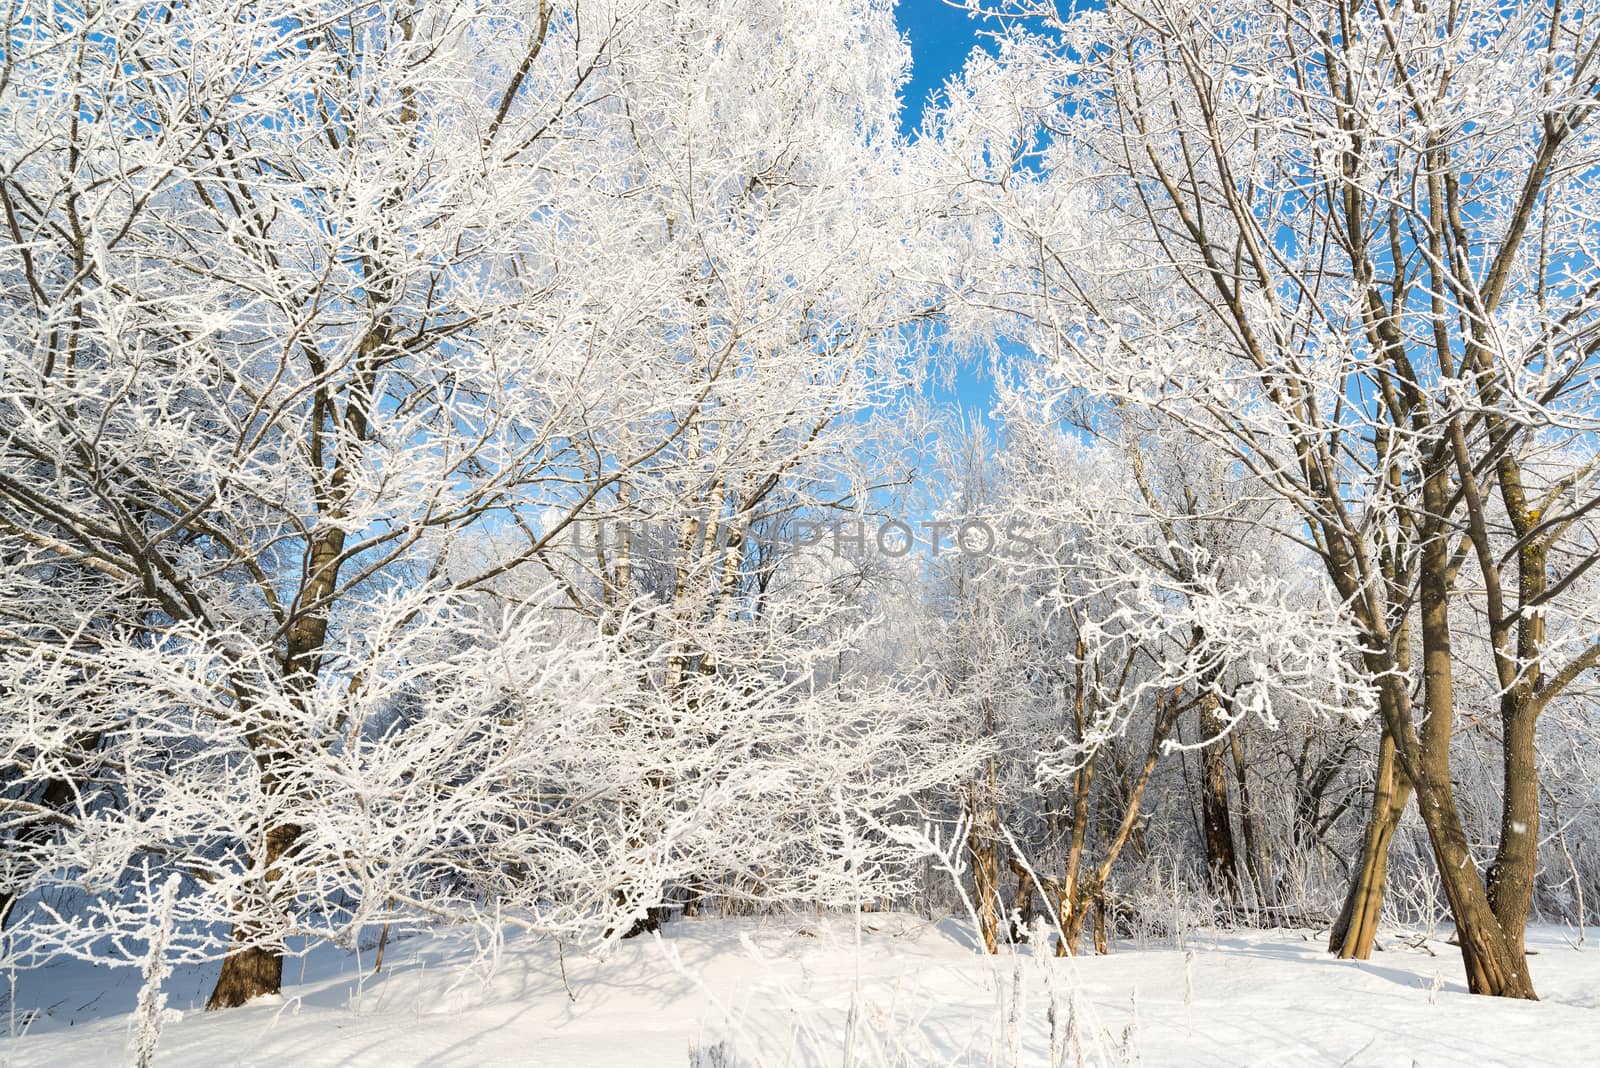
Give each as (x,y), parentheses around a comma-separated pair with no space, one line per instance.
(1021,903)
(1083,892)
(1255,860)
(251,971)
(1516,861)
(1495,964)
(1069,899)
(247,973)
(983,840)
(1071,911)
(1356,929)
(1215,820)
(652,920)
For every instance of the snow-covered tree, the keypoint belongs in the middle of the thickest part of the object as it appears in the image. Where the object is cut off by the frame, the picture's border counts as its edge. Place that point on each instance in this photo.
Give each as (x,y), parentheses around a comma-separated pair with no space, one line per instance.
(1348,246)
(323,327)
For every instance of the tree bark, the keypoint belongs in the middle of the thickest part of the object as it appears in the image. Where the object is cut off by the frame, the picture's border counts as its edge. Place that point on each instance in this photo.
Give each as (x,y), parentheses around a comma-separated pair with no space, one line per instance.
(1222,863)
(983,840)
(1021,904)
(1516,861)
(1356,929)
(1495,964)
(251,971)
(1255,858)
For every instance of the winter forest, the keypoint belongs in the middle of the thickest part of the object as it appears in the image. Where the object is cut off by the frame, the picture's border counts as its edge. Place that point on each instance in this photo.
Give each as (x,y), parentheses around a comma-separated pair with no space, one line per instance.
(635,532)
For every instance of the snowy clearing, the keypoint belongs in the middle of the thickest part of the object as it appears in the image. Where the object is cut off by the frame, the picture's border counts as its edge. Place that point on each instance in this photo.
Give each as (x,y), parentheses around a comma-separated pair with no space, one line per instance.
(779,992)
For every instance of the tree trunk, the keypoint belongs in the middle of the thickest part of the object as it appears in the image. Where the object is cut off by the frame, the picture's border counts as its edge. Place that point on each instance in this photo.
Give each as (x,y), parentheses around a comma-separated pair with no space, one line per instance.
(1072,912)
(1255,860)
(1021,904)
(1517,860)
(247,974)
(1495,964)
(983,840)
(655,916)
(251,971)
(1356,929)
(1217,824)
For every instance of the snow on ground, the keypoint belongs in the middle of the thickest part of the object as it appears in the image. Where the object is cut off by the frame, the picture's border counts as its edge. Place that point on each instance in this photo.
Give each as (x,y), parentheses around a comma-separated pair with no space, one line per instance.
(779,992)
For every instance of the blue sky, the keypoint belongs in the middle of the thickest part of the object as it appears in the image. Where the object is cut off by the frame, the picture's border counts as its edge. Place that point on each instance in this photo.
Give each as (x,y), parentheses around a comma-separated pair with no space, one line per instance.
(941,36)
